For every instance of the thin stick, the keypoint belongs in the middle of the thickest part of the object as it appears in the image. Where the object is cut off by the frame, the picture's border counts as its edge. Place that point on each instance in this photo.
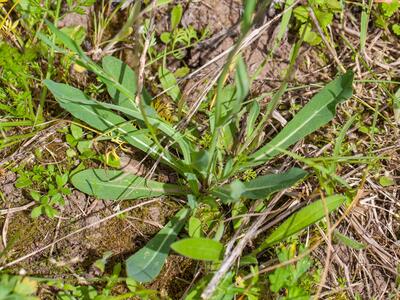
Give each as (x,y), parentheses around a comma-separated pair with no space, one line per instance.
(230,258)
(76,232)
(16,209)
(326,42)
(329,250)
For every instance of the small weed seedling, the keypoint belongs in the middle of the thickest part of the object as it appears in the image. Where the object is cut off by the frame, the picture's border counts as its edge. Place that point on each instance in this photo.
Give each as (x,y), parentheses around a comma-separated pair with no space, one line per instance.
(47,188)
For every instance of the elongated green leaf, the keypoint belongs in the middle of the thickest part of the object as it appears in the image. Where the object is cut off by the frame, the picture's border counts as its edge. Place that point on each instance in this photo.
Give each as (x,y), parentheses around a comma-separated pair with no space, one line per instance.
(319,111)
(98,116)
(302,219)
(125,76)
(260,187)
(199,248)
(249,7)
(242,84)
(169,83)
(68,42)
(147,263)
(345,240)
(284,25)
(254,112)
(117,185)
(176,15)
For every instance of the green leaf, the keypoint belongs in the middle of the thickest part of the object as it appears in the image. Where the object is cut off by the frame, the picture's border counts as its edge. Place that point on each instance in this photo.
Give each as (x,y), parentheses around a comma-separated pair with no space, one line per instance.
(194,227)
(147,263)
(76,33)
(117,185)
(254,112)
(302,219)
(96,115)
(396,29)
(169,83)
(125,76)
(242,84)
(36,212)
(260,187)
(319,111)
(345,240)
(176,15)
(165,37)
(68,42)
(23,182)
(386,181)
(199,248)
(76,131)
(249,7)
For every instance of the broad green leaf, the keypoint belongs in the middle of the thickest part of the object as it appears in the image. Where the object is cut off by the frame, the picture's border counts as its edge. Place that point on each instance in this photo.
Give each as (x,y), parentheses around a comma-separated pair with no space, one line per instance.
(319,111)
(146,264)
(117,185)
(303,218)
(125,76)
(345,240)
(260,187)
(176,15)
(96,115)
(199,248)
(169,83)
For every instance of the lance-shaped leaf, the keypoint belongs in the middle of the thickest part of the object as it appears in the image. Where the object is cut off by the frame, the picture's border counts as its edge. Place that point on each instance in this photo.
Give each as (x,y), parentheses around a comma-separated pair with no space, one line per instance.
(146,264)
(99,117)
(303,218)
(125,76)
(260,187)
(117,185)
(199,248)
(319,111)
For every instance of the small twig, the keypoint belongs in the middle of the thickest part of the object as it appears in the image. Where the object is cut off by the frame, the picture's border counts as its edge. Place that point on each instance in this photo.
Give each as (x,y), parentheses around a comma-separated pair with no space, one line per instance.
(230,258)
(4,231)
(329,232)
(326,42)
(16,209)
(142,60)
(55,235)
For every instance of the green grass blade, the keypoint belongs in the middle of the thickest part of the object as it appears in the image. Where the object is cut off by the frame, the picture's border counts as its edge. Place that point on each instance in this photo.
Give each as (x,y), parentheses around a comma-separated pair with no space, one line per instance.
(146,264)
(303,218)
(319,111)
(284,25)
(117,185)
(366,10)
